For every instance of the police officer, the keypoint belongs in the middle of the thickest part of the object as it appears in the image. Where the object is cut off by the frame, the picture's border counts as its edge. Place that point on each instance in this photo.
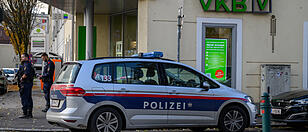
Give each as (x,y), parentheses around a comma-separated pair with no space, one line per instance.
(47,79)
(25,83)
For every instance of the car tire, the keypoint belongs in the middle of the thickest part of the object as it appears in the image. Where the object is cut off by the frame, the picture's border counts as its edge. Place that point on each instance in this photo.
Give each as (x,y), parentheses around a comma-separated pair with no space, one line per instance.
(106,118)
(197,129)
(233,119)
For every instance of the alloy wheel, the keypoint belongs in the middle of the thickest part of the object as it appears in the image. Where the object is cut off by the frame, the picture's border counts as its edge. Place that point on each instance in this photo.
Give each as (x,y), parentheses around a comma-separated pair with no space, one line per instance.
(107,122)
(233,120)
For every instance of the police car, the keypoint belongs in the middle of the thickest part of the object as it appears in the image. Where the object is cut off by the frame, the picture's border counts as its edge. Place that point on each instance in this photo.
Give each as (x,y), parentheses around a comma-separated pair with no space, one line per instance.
(112,94)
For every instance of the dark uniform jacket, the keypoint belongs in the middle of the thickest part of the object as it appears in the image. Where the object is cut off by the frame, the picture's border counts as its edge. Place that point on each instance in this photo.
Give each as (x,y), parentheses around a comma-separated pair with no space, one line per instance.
(48,72)
(25,68)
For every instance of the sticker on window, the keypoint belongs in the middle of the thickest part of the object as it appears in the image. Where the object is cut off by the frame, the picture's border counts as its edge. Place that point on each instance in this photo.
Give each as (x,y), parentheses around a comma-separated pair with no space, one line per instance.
(103,78)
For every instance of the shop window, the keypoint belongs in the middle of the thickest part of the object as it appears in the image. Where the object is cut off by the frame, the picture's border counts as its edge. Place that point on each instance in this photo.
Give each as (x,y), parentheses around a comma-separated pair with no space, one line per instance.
(130,34)
(219,53)
(123,39)
(116,36)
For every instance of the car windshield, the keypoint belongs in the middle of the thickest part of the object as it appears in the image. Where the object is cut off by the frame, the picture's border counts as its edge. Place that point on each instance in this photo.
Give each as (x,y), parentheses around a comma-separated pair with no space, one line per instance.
(6,71)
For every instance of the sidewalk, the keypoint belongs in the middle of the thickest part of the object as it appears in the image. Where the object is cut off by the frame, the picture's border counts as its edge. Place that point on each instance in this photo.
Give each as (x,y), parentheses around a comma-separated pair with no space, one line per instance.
(10,109)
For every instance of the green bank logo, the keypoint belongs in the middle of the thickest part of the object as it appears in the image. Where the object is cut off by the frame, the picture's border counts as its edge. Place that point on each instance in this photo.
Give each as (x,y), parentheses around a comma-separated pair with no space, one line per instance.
(249,6)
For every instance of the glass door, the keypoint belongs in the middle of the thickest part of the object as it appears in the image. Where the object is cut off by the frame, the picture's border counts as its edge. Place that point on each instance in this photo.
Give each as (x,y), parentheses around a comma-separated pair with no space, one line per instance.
(123,35)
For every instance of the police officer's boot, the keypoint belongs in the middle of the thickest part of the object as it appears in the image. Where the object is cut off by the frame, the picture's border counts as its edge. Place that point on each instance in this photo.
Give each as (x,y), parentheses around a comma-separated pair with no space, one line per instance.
(29,114)
(25,115)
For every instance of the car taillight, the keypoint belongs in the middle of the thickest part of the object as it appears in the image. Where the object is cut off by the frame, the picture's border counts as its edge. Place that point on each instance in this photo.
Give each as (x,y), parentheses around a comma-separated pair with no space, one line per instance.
(72,91)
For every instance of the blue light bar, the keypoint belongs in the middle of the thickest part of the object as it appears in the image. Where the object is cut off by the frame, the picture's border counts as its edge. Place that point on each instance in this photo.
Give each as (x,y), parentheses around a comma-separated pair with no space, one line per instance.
(155,54)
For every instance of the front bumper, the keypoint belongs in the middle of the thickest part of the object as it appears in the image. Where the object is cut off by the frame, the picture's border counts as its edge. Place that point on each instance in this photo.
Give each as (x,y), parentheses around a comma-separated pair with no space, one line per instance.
(294,118)
(253,110)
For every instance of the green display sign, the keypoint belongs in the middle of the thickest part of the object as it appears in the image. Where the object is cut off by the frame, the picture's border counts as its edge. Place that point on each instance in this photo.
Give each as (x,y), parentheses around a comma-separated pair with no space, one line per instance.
(216,58)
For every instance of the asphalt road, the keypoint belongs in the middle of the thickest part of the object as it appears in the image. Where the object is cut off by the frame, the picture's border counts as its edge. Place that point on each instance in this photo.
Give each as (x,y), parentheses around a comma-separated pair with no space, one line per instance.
(10,109)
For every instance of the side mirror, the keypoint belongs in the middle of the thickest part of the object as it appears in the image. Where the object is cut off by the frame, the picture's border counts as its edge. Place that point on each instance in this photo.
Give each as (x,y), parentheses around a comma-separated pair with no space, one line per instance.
(206,85)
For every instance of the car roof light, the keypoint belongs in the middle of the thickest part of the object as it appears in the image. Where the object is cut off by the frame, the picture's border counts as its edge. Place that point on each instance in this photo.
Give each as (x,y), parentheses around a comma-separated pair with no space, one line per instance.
(155,54)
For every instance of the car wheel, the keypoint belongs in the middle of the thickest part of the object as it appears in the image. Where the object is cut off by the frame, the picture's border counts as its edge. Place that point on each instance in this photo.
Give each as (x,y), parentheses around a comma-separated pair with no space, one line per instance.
(233,119)
(197,129)
(106,120)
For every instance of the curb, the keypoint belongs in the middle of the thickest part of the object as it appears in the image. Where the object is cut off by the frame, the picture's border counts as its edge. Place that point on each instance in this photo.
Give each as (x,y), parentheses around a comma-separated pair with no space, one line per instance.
(272,125)
(34,130)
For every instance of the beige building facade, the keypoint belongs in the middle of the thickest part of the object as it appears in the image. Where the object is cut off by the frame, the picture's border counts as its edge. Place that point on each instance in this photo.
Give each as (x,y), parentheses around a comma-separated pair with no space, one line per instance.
(157,22)
(127,27)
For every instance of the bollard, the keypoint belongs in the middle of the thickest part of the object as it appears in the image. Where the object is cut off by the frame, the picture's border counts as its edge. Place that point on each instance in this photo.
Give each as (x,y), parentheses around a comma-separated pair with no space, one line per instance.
(265,111)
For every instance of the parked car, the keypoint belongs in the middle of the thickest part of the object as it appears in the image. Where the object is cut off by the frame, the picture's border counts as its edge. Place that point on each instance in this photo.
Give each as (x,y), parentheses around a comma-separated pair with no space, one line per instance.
(10,73)
(291,107)
(3,83)
(111,94)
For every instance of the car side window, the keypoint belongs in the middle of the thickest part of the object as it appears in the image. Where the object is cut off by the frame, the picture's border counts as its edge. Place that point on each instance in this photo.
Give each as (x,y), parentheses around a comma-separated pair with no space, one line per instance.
(182,76)
(102,73)
(142,73)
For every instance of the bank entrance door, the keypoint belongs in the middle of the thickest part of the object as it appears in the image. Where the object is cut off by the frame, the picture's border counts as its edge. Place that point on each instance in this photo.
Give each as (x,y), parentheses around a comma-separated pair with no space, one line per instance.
(219,52)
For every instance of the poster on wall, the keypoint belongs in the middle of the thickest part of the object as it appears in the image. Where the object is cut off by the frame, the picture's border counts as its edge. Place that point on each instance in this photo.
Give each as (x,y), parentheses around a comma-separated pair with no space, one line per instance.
(216,58)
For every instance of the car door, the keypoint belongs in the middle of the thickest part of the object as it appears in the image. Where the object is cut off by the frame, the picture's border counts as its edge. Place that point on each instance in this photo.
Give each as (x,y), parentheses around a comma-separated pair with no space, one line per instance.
(189,101)
(143,97)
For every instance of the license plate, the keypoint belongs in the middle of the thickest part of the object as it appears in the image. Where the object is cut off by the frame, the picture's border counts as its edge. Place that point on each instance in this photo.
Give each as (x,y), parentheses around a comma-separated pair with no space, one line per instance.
(276,111)
(55,103)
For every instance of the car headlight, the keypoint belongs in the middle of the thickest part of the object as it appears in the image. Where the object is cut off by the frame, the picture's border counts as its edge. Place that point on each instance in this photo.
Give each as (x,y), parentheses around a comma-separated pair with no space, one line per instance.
(249,98)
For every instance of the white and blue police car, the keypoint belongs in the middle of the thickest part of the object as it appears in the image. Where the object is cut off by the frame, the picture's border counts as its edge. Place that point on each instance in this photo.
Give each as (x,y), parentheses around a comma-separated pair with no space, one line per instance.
(145,91)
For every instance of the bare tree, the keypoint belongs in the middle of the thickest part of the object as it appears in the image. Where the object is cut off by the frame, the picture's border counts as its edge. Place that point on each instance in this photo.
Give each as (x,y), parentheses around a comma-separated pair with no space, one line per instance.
(19,16)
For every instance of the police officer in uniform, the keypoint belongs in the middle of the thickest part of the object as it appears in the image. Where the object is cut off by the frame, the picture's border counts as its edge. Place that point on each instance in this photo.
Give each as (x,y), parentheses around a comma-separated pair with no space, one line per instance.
(47,79)
(25,82)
